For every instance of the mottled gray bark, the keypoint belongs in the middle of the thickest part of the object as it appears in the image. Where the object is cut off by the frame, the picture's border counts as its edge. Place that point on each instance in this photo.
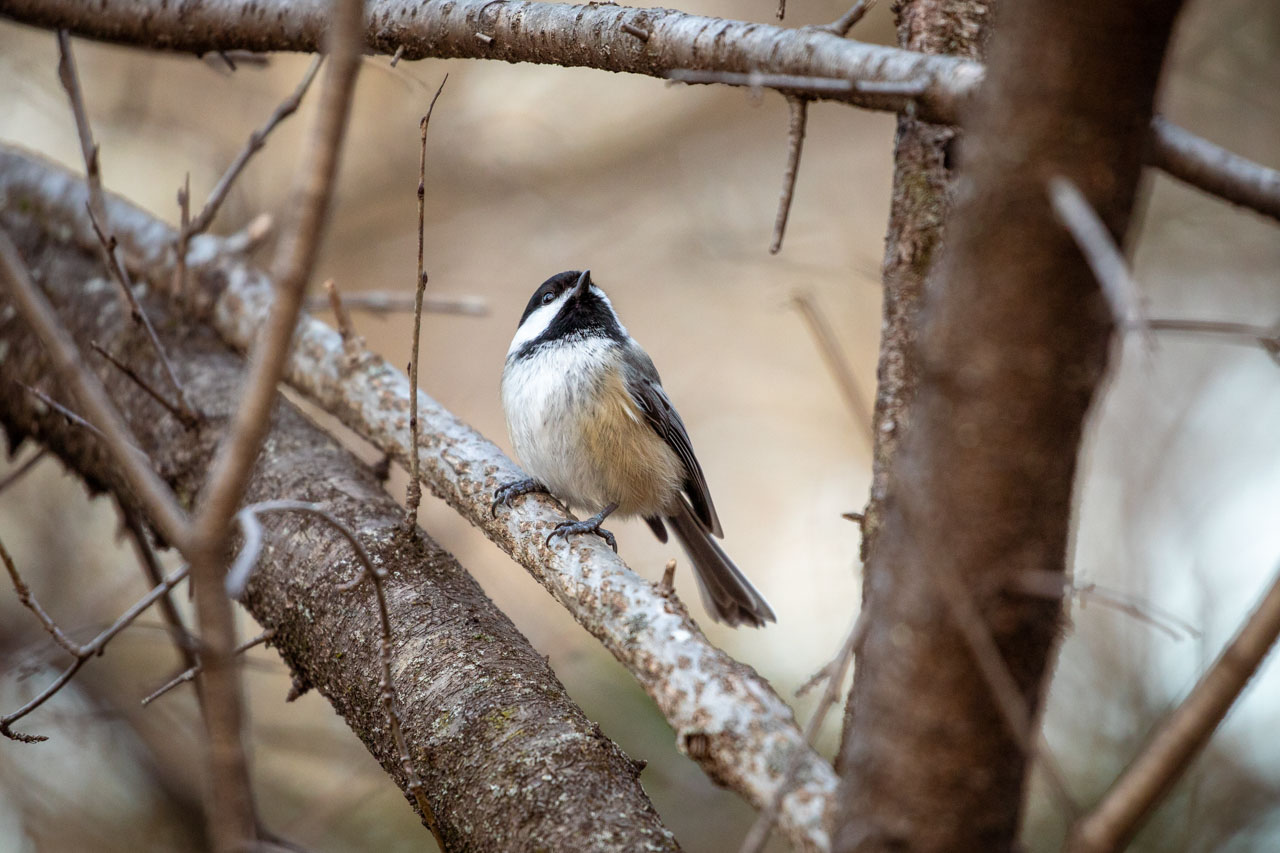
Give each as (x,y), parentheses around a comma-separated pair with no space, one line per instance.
(1012,344)
(508,761)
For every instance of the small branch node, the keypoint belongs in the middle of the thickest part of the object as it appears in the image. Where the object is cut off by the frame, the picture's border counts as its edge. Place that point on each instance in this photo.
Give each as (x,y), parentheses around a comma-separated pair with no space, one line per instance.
(486,39)
(632,29)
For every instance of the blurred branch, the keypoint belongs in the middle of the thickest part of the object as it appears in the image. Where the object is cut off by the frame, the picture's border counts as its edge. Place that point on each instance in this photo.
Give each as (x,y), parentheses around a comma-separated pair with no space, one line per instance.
(390,302)
(937,87)
(724,714)
(232,820)
(1213,169)
(1177,740)
(80,653)
(477,702)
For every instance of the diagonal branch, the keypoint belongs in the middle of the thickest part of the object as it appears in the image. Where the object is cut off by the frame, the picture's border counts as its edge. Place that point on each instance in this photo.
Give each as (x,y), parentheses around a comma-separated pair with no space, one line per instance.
(724,714)
(1150,776)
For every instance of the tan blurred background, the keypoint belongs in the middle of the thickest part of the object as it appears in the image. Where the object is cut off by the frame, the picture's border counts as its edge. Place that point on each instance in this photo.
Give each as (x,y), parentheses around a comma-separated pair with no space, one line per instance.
(668,195)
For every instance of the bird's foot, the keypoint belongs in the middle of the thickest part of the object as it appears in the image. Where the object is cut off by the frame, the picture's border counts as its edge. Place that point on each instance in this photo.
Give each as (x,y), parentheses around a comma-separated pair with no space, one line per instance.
(589,525)
(504,495)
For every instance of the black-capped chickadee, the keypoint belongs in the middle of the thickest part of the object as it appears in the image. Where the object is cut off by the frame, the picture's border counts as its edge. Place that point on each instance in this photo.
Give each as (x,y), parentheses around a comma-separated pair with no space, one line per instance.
(589,419)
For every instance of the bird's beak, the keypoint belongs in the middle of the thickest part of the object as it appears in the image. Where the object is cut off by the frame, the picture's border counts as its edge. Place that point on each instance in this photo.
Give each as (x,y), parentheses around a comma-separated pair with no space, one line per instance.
(583,282)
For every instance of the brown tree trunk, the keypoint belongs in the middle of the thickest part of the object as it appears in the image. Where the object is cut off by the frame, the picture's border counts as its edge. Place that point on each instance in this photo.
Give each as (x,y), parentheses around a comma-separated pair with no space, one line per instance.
(1012,344)
(491,730)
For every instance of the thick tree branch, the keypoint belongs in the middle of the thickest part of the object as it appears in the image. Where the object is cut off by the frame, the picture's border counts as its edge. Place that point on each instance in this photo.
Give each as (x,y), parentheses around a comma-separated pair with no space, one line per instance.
(725,716)
(603,36)
(492,732)
(1012,344)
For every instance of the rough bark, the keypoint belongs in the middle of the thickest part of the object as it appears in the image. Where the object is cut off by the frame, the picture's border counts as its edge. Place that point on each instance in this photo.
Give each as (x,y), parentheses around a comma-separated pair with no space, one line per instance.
(589,35)
(922,158)
(726,717)
(1012,345)
(508,761)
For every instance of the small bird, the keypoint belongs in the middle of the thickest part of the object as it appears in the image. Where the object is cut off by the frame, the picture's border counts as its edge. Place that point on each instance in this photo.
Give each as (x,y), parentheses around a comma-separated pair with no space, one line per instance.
(589,419)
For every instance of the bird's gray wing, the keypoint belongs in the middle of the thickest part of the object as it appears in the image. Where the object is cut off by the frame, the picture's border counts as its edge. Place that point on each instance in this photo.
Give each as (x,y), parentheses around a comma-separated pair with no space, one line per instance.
(645,387)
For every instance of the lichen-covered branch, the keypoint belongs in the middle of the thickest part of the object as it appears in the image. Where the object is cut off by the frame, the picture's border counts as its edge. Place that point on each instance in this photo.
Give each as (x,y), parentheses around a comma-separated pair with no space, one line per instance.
(726,717)
(494,736)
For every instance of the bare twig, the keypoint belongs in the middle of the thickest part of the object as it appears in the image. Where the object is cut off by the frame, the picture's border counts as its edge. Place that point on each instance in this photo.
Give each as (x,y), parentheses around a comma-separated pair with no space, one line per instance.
(1245,334)
(340,314)
(1214,169)
(232,820)
(18,473)
(27,600)
(239,574)
(1052,584)
(88,148)
(632,29)
(834,673)
(1100,251)
(760,80)
(190,673)
(97,208)
(184,238)
(155,496)
(185,418)
(82,653)
(154,573)
(837,361)
(68,415)
(256,140)
(387,302)
(395,59)
(968,620)
(799,108)
(249,237)
(841,26)
(1177,740)
(782,9)
(414,497)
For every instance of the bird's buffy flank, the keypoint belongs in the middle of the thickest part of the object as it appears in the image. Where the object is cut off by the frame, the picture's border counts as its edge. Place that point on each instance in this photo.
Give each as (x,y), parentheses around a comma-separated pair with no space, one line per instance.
(589,419)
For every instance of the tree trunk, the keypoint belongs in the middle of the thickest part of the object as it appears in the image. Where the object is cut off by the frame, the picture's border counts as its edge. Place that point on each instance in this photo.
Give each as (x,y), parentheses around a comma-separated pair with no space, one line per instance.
(1012,344)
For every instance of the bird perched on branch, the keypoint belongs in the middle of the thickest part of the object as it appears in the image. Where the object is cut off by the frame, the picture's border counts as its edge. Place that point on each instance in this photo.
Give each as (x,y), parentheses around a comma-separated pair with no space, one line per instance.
(591,423)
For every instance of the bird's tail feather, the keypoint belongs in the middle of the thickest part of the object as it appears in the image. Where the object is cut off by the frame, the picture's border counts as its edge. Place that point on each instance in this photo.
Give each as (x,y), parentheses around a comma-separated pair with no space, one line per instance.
(728,595)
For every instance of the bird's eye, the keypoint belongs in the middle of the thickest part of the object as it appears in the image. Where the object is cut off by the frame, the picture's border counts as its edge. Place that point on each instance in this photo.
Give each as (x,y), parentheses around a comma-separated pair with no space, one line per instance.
(548,297)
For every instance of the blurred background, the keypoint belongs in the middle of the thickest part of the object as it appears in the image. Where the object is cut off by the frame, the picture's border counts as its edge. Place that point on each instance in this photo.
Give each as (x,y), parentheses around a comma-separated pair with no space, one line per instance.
(668,194)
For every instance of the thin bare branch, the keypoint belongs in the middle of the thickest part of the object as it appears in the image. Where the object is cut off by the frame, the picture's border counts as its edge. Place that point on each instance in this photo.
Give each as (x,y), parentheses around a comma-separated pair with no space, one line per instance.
(1213,169)
(1103,255)
(1052,584)
(1245,334)
(389,302)
(185,418)
(836,358)
(21,471)
(340,314)
(968,619)
(799,108)
(841,26)
(68,415)
(27,600)
(97,209)
(70,80)
(164,511)
(190,673)
(256,140)
(154,573)
(786,83)
(239,574)
(1176,741)
(232,821)
(415,486)
(82,654)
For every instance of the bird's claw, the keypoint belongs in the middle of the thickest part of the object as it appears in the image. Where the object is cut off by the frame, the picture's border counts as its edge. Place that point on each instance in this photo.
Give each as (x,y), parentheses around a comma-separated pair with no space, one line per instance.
(591,525)
(504,495)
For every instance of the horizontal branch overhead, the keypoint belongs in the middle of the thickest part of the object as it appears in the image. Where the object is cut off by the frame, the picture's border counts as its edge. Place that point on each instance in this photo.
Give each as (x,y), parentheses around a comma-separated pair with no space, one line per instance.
(608,37)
